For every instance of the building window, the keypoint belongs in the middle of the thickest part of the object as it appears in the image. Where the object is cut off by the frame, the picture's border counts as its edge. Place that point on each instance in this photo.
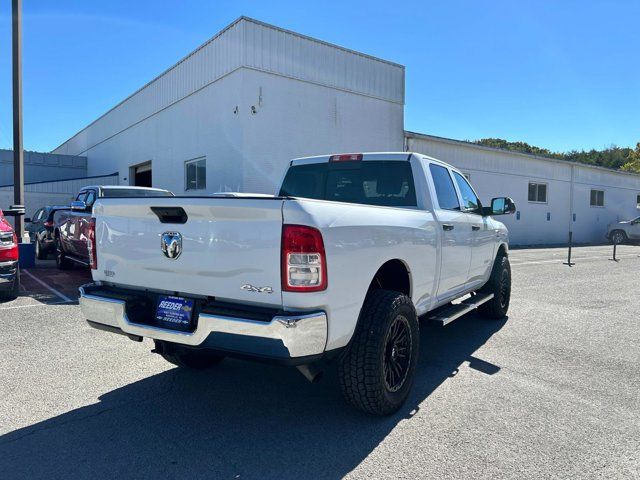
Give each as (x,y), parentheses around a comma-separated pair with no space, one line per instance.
(195,174)
(638,202)
(597,198)
(538,192)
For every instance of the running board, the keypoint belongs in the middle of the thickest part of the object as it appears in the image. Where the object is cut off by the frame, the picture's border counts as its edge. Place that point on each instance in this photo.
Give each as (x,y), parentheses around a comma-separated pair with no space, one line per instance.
(455,311)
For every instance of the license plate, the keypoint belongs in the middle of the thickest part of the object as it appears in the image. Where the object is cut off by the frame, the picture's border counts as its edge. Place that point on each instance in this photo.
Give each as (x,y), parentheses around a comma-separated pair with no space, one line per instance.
(175,313)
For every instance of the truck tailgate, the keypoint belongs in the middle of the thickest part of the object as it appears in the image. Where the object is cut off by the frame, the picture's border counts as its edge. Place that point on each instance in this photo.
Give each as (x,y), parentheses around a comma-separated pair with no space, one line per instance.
(230,247)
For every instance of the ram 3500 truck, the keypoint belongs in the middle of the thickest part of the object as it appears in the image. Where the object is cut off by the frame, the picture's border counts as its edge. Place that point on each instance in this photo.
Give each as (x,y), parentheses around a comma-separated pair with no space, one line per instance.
(337,267)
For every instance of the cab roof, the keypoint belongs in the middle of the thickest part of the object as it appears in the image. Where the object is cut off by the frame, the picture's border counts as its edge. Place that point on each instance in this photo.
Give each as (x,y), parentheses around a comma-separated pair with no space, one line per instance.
(364,156)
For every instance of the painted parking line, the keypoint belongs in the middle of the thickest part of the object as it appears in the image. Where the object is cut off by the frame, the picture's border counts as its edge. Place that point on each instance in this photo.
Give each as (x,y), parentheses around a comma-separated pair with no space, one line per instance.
(573,259)
(49,287)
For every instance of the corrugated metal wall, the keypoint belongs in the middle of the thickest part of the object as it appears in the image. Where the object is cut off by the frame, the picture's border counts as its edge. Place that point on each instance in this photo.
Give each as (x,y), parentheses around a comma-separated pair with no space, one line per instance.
(293,55)
(61,192)
(500,173)
(255,45)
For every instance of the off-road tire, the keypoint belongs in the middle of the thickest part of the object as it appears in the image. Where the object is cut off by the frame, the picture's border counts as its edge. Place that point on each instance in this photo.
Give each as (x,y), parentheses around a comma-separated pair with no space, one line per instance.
(15,289)
(62,262)
(361,367)
(183,358)
(618,237)
(500,285)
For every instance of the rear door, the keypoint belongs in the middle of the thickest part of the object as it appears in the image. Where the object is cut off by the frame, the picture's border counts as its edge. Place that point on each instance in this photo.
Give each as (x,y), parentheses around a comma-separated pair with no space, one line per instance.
(35,225)
(82,227)
(455,231)
(227,248)
(69,228)
(634,229)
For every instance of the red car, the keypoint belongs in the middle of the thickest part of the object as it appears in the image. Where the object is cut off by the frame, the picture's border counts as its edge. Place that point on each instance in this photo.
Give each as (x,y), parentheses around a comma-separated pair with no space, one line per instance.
(9,271)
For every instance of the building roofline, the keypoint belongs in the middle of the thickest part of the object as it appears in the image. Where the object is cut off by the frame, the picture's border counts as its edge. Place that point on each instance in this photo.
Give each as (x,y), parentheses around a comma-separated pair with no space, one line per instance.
(210,40)
(467,143)
(317,40)
(115,174)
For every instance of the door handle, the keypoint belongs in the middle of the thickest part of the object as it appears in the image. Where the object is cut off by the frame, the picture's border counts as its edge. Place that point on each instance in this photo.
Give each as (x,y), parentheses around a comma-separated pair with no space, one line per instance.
(447,226)
(475,228)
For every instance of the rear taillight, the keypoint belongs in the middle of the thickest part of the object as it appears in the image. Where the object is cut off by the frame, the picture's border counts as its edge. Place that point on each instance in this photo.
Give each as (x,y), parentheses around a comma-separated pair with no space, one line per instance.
(8,247)
(304,264)
(93,257)
(346,157)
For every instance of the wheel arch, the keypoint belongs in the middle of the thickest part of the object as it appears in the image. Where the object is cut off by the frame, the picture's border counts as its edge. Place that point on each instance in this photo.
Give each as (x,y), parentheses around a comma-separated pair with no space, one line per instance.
(503,250)
(394,275)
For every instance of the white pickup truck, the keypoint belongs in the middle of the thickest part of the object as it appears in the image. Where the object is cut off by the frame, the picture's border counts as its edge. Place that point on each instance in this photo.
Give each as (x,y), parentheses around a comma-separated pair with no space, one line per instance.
(337,267)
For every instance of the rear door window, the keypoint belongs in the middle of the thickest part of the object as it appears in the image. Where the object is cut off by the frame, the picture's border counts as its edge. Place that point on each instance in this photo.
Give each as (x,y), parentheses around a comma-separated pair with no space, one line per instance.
(445,191)
(384,183)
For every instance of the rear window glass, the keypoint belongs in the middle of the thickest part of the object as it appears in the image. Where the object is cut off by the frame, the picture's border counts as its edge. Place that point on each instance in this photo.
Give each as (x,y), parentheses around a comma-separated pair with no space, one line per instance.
(132,192)
(386,183)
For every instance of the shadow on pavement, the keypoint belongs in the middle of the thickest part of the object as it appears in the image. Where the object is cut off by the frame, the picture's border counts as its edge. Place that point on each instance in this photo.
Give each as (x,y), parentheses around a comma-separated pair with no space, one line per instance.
(240,420)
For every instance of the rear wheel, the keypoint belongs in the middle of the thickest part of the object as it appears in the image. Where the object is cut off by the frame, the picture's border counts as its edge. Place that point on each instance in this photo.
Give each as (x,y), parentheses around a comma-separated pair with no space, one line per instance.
(184,358)
(500,285)
(377,370)
(618,237)
(62,262)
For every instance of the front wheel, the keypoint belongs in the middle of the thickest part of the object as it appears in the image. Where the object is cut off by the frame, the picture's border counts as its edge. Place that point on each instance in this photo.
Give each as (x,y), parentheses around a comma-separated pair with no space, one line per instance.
(377,370)
(618,237)
(500,285)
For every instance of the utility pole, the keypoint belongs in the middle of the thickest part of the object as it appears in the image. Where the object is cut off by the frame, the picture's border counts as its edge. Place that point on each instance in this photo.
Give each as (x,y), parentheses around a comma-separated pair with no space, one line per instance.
(18,153)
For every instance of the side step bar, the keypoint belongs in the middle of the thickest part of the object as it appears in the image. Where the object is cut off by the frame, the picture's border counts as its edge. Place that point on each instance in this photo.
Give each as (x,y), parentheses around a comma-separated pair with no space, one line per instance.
(455,311)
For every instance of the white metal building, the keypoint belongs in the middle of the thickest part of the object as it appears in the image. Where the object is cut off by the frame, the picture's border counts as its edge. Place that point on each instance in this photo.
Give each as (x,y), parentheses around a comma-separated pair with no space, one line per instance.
(552,196)
(230,115)
(240,107)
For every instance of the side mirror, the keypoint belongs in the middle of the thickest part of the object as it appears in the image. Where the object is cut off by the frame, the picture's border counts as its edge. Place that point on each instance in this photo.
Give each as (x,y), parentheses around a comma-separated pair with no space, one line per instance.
(500,206)
(27,220)
(78,206)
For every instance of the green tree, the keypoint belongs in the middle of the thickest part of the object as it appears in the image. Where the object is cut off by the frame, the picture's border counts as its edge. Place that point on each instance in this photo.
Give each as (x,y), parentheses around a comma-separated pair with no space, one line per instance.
(616,158)
(633,165)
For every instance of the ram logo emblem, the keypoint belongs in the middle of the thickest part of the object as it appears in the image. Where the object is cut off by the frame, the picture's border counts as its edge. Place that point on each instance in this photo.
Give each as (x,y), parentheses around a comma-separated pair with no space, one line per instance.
(171,244)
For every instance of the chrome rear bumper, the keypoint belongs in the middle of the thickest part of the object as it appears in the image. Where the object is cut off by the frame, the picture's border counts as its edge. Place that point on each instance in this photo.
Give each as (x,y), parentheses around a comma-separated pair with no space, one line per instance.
(285,336)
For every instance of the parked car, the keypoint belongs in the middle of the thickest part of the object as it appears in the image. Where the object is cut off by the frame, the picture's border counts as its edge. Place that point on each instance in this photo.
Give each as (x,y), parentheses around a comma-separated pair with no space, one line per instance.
(625,231)
(40,228)
(9,270)
(338,267)
(71,226)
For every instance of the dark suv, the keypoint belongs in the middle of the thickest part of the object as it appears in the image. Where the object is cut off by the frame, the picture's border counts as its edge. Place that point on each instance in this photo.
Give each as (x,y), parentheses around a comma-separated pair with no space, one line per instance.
(40,228)
(71,227)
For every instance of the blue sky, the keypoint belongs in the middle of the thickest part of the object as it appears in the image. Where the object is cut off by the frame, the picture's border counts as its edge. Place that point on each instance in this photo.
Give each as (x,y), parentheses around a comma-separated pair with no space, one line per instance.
(562,75)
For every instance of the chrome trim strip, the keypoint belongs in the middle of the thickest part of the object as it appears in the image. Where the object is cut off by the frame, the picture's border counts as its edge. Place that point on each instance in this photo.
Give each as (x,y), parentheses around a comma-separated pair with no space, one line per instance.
(302,335)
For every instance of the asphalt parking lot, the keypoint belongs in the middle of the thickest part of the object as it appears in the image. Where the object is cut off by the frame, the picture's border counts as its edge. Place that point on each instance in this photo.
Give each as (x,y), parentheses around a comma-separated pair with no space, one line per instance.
(553,392)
